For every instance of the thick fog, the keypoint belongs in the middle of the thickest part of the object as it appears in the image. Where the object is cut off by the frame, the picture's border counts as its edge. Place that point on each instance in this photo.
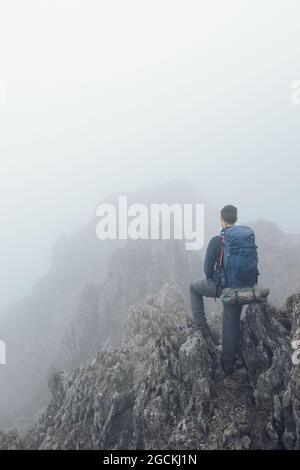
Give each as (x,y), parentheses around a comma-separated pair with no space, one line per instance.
(105,96)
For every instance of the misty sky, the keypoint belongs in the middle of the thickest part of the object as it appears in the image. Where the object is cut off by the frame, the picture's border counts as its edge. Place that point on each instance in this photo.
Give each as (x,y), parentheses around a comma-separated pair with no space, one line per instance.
(106,96)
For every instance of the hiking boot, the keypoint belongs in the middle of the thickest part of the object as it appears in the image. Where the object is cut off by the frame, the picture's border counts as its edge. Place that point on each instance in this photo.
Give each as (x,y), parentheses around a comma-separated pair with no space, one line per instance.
(239,363)
(229,382)
(227,369)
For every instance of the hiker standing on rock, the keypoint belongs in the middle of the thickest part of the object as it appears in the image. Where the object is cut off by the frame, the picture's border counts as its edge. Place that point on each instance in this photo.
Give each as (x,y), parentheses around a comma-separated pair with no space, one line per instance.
(230,262)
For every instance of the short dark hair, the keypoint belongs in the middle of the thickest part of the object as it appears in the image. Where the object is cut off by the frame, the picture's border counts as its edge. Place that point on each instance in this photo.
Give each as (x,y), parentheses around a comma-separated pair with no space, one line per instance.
(229,214)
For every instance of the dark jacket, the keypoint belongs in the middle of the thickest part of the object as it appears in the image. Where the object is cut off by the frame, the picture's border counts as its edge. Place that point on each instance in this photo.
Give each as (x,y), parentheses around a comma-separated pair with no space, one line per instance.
(212,257)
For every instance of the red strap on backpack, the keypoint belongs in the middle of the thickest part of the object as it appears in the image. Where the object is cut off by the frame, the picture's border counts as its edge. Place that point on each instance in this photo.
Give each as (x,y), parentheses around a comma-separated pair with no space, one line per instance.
(221,254)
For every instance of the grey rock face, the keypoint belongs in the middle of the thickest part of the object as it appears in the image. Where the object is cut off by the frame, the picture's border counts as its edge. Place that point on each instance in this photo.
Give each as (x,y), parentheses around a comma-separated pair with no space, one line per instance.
(290,399)
(135,271)
(81,305)
(11,441)
(35,327)
(267,352)
(120,398)
(163,388)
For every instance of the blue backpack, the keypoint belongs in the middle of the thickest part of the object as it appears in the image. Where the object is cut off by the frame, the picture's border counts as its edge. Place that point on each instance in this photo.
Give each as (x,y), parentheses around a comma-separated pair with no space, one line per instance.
(238,261)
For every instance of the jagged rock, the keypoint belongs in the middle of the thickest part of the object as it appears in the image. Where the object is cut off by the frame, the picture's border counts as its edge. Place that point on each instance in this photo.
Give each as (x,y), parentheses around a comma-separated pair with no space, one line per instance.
(163,387)
(11,441)
(54,325)
(267,352)
(291,397)
(120,399)
(141,268)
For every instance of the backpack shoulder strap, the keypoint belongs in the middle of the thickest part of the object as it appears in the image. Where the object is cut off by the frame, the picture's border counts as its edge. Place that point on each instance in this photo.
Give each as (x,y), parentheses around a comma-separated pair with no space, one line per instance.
(221,260)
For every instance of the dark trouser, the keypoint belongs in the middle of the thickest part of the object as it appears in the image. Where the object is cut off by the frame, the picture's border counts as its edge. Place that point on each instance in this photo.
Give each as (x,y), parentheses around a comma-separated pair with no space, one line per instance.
(231,320)
(198,290)
(230,336)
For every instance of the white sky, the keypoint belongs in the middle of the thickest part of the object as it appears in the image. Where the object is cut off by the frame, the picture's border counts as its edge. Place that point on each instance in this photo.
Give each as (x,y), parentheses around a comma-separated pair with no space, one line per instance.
(114,95)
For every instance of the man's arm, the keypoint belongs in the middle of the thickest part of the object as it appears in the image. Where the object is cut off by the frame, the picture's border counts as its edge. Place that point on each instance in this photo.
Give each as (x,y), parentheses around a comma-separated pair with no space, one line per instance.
(212,256)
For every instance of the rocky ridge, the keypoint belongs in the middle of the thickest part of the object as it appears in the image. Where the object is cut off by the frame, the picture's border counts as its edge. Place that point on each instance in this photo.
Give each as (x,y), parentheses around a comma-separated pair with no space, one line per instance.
(163,387)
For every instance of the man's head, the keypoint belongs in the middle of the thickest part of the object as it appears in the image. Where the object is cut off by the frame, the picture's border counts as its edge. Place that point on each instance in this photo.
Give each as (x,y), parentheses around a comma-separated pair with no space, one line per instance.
(228,215)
